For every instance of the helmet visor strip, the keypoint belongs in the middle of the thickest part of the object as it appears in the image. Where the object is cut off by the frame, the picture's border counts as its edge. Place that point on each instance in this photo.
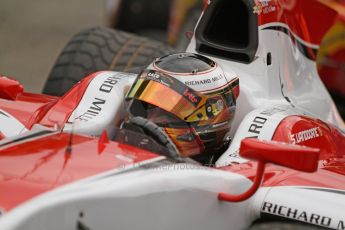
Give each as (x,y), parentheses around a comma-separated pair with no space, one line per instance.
(173,96)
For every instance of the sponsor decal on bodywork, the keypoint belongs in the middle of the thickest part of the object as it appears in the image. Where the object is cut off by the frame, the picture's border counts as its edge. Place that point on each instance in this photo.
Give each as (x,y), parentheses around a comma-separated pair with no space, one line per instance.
(316,206)
(94,109)
(101,104)
(296,214)
(260,120)
(256,126)
(263,7)
(306,135)
(97,104)
(261,124)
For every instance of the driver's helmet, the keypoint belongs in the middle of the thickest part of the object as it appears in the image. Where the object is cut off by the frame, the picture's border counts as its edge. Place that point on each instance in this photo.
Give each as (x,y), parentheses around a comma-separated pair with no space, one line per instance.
(191,98)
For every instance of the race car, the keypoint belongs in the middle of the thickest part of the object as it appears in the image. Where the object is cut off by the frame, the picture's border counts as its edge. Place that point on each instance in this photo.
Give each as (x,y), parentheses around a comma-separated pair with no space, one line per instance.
(66,163)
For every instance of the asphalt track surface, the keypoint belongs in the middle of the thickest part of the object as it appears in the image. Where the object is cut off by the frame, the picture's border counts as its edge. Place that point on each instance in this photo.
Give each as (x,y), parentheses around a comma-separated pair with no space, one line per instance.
(33,32)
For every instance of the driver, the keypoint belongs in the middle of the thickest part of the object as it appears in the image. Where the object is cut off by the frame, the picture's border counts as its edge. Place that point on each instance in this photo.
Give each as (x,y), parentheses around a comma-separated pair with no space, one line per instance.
(191,99)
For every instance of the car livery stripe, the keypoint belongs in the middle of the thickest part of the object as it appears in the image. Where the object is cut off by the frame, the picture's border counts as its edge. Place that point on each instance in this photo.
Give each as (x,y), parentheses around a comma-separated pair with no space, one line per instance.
(29,136)
(308,50)
(10,126)
(4,114)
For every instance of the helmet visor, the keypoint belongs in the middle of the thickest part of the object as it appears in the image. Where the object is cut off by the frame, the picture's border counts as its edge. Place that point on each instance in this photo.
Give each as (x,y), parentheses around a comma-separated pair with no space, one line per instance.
(175,97)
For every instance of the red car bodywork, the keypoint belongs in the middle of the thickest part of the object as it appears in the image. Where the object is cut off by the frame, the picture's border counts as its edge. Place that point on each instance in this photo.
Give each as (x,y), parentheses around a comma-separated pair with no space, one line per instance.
(42,163)
(31,109)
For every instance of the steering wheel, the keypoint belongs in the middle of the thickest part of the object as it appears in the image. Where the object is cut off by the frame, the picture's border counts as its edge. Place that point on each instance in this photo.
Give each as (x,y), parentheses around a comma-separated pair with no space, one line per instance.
(155,132)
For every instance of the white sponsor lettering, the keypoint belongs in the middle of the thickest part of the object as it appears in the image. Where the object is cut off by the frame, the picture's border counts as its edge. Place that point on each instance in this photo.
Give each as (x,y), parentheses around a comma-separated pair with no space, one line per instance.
(217,78)
(101,105)
(205,81)
(154,75)
(305,135)
(264,7)
(94,109)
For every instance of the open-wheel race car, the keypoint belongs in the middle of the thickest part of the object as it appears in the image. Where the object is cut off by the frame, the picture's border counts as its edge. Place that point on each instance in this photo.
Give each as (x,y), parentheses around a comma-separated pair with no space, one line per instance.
(119,138)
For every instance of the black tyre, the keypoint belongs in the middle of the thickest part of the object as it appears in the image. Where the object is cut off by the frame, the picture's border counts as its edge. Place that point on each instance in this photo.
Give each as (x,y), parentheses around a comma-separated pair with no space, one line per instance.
(97,49)
(149,18)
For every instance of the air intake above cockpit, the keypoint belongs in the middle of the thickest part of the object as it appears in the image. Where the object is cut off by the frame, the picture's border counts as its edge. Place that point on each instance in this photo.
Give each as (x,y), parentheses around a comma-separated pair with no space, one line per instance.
(228,29)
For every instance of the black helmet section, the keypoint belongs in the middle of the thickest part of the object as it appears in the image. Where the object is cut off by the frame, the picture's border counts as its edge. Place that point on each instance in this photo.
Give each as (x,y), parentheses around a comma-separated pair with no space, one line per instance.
(184,63)
(229,29)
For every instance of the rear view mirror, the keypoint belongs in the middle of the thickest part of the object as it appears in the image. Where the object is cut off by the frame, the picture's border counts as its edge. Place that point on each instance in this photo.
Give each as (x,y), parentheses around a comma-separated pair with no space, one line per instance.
(292,156)
(296,157)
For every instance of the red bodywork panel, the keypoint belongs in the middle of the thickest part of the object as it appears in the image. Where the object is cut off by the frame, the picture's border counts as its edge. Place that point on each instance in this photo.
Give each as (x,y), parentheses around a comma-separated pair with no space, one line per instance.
(333,74)
(293,156)
(36,166)
(289,155)
(317,134)
(33,167)
(9,88)
(309,132)
(64,107)
(300,16)
(30,108)
(313,133)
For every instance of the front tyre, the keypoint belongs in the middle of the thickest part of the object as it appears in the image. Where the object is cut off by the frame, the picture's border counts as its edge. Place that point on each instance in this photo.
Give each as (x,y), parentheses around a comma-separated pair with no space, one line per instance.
(97,49)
